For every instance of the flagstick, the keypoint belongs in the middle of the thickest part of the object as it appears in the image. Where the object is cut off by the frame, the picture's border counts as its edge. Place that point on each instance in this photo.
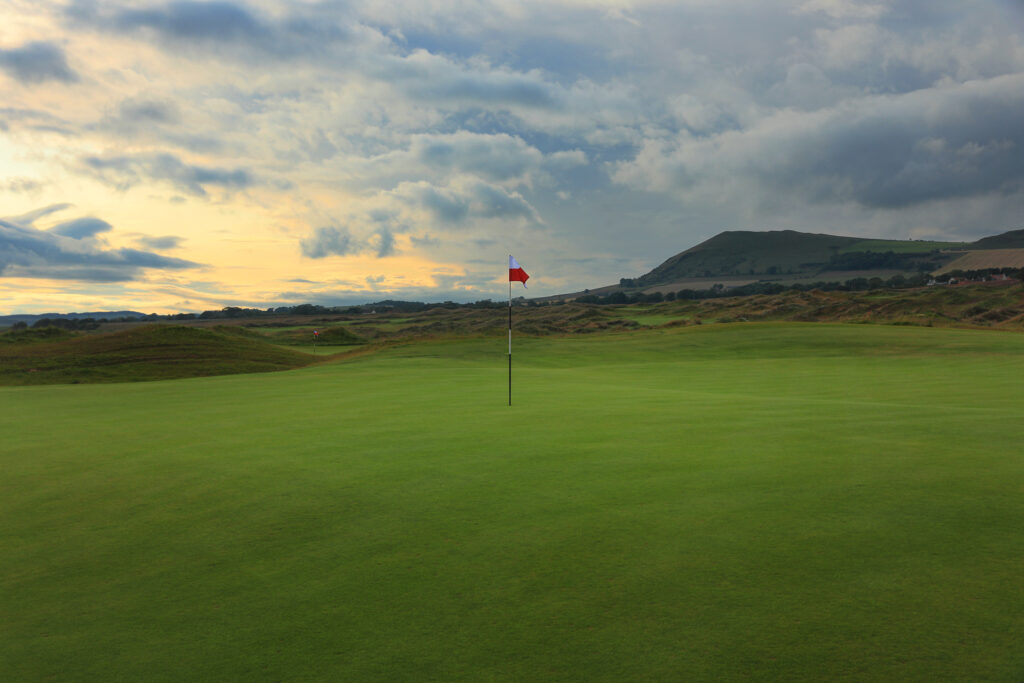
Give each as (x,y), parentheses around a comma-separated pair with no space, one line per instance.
(510,341)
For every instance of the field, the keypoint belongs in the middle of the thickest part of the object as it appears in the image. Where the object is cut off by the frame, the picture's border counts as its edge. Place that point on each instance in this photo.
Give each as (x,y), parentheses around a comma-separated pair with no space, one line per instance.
(776,501)
(983,259)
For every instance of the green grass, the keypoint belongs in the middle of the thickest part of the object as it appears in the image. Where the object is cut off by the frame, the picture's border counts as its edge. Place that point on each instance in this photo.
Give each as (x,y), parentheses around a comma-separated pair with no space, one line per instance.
(646,315)
(771,501)
(902,246)
(148,352)
(337,335)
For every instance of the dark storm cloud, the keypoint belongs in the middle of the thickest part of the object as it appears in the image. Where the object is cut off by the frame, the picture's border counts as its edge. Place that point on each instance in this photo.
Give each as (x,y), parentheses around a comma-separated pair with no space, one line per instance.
(37,62)
(28,252)
(126,171)
(933,145)
(952,141)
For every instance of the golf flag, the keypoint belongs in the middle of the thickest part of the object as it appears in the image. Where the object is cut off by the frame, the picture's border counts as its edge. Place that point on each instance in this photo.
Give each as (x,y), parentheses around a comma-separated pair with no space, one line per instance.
(516,272)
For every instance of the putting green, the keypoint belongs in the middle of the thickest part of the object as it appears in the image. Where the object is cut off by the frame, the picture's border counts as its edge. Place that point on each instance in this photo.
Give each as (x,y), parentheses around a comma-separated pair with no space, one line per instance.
(733,501)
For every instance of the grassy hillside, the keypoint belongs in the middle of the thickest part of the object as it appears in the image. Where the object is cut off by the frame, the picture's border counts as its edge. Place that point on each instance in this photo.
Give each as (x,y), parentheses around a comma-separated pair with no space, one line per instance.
(981,305)
(145,352)
(149,352)
(787,502)
(974,305)
(329,335)
(1014,239)
(788,252)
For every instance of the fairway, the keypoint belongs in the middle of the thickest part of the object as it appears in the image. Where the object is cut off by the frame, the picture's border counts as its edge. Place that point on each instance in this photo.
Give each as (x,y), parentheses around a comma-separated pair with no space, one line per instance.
(769,501)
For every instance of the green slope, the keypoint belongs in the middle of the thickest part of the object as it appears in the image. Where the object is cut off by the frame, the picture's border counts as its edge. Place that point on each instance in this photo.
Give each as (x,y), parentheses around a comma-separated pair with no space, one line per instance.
(142,353)
(788,252)
(1014,239)
(744,252)
(784,502)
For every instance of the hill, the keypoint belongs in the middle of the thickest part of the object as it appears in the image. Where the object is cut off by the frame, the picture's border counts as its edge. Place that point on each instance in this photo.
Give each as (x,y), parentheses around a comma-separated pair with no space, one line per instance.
(777,253)
(146,352)
(1014,239)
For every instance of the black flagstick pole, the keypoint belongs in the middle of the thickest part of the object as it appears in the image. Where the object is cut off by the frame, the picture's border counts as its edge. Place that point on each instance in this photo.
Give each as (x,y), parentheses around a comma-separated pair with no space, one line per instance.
(510,337)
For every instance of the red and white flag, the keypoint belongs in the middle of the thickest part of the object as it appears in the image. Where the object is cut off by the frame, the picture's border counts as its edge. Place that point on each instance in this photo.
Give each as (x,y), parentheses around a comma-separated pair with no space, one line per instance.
(516,272)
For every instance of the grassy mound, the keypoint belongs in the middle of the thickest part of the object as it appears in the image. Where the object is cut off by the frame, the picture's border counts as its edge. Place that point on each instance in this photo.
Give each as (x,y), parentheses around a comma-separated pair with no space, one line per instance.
(148,352)
(32,335)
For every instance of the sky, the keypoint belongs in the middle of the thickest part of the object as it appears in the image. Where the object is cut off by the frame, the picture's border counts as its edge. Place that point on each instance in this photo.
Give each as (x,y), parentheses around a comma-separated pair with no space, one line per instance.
(178,156)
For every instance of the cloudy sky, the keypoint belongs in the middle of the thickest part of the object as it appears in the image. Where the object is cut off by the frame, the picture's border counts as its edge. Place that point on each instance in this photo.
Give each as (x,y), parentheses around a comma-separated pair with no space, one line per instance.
(181,155)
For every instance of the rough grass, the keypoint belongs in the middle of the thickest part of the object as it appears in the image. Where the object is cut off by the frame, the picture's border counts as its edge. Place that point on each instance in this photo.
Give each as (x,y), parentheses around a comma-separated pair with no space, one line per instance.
(147,352)
(980,305)
(35,335)
(330,335)
(726,502)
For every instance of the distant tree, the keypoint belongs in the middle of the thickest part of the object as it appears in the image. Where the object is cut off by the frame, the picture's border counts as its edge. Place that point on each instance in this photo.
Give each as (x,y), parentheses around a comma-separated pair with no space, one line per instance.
(308,309)
(896,282)
(617,298)
(857,284)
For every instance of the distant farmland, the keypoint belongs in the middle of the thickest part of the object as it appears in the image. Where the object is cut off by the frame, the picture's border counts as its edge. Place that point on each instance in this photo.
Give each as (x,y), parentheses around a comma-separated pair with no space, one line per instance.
(985,259)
